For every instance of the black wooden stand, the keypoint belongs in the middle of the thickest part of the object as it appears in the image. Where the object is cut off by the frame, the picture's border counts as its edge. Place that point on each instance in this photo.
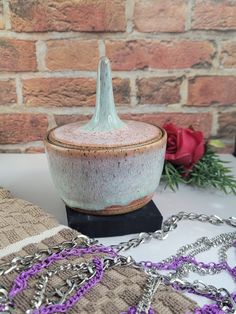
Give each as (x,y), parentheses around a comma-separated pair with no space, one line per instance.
(146,219)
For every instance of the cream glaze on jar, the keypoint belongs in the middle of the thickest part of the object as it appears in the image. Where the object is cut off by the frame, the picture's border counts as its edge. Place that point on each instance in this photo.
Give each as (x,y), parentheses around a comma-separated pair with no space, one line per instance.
(106,166)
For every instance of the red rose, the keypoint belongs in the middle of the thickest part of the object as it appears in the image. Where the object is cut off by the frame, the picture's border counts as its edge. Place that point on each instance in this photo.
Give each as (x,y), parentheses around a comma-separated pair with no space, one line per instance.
(184,146)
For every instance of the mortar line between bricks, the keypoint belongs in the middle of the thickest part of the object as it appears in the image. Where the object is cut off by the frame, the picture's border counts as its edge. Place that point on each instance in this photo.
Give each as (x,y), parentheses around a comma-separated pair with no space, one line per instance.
(215,122)
(101,48)
(188,22)
(219,48)
(227,109)
(216,56)
(120,108)
(129,13)
(19,91)
(184,90)
(123,74)
(135,35)
(146,108)
(41,51)
(133,92)
(6,15)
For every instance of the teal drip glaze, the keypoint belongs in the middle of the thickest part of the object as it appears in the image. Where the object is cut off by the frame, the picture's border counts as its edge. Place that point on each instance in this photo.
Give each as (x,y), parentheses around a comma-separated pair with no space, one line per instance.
(105,117)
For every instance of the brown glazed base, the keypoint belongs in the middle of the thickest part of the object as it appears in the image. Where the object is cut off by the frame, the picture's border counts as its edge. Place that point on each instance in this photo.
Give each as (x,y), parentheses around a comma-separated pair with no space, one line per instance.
(116,209)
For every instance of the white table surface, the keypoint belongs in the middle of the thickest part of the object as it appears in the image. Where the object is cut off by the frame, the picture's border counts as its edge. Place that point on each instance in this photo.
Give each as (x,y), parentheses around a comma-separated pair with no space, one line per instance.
(28,177)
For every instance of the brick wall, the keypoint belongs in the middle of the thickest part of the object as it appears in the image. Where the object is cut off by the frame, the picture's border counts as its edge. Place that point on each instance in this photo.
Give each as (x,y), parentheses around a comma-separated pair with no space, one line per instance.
(172,60)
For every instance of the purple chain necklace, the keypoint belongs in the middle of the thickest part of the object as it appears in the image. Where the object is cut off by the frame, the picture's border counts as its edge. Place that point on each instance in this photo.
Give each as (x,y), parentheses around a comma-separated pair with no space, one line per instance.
(66,306)
(99,265)
(20,283)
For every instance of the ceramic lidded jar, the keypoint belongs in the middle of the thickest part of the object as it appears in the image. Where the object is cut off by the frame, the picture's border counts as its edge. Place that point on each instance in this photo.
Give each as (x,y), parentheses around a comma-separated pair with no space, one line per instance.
(106,166)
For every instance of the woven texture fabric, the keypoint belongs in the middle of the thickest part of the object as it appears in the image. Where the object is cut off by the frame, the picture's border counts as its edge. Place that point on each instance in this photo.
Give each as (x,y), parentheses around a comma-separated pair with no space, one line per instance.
(20,219)
(120,287)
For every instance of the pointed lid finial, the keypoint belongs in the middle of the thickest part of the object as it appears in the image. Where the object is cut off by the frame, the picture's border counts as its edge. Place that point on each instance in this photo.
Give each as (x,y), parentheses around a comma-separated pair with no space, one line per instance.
(105,117)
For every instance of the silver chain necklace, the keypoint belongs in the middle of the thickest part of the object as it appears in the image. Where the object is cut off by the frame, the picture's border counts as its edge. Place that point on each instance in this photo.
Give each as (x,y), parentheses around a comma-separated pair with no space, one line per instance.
(171,224)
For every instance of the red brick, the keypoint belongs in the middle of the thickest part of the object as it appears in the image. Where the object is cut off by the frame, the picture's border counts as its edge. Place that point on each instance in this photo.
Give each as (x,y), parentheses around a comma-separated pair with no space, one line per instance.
(214,14)
(22,127)
(121,89)
(65,119)
(208,90)
(63,15)
(59,92)
(227,125)
(7,92)
(67,92)
(159,90)
(1,15)
(72,55)
(228,54)
(132,55)
(199,121)
(160,16)
(17,55)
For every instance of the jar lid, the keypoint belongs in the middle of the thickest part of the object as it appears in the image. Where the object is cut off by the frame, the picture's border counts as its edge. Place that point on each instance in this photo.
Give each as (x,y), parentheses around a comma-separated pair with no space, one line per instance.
(105,129)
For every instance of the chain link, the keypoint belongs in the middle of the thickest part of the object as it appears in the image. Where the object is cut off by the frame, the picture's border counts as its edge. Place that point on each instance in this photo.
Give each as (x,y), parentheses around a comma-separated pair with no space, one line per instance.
(153,282)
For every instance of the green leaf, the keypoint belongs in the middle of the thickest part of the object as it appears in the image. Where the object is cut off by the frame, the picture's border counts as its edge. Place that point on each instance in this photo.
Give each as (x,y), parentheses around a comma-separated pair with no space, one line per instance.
(210,171)
(172,176)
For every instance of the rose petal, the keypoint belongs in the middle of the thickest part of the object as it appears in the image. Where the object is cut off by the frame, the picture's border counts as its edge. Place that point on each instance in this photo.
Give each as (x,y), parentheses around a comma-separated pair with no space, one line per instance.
(199,152)
(185,148)
(171,144)
(170,128)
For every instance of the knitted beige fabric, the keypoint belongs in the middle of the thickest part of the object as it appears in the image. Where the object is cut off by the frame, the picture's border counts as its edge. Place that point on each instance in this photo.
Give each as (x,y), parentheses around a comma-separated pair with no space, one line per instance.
(120,287)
